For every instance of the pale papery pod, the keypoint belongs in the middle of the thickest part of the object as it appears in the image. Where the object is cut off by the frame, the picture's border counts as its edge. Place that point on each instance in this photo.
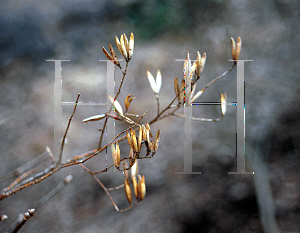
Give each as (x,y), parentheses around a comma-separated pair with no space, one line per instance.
(119,45)
(202,63)
(124,52)
(131,45)
(187,67)
(199,93)
(144,132)
(142,187)
(238,48)
(128,191)
(133,139)
(114,56)
(223,103)
(156,142)
(193,89)
(94,118)
(126,44)
(181,95)
(109,57)
(140,138)
(194,67)
(116,104)
(155,85)
(134,169)
(135,187)
(158,81)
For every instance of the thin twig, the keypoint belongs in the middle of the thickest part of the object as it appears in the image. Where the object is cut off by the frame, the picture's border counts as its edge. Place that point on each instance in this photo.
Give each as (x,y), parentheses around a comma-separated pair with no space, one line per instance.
(65,135)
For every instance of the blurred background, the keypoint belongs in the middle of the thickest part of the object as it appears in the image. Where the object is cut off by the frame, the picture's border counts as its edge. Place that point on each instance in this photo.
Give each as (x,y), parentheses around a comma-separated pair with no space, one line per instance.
(34,31)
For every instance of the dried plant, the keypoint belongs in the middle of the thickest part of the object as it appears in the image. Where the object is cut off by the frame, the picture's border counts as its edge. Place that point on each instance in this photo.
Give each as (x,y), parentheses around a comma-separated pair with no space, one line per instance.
(138,135)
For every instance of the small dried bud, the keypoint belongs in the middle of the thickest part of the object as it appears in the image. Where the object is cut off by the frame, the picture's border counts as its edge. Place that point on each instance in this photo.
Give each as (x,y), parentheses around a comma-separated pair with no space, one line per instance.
(176,88)
(142,187)
(3,217)
(128,191)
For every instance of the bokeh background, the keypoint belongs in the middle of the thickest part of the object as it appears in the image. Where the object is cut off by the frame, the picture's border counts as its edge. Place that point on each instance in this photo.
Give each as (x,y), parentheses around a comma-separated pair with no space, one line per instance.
(33,31)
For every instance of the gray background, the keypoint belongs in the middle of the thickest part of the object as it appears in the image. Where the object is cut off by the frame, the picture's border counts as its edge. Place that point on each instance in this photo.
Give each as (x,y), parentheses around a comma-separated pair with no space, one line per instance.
(214,201)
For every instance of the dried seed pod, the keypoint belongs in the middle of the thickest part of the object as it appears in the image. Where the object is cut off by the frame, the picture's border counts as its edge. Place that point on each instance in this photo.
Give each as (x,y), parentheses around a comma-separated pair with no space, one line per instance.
(126,44)
(156,142)
(144,132)
(135,188)
(119,45)
(109,57)
(94,118)
(133,140)
(197,96)
(128,191)
(126,171)
(140,139)
(142,187)
(176,88)
(116,104)
(238,47)
(130,141)
(155,84)
(124,51)
(134,169)
(128,100)
(181,95)
(149,133)
(223,103)
(202,64)
(114,56)
(115,150)
(131,45)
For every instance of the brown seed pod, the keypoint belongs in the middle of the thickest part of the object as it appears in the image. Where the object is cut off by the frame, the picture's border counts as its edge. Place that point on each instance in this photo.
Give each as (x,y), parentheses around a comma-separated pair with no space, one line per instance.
(128,100)
(114,56)
(181,95)
(109,57)
(126,171)
(135,187)
(156,142)
(133,140)
(140,139)
(142,187)
(238,47)
(130,140)
(115,151)
(128,191)
(176,88)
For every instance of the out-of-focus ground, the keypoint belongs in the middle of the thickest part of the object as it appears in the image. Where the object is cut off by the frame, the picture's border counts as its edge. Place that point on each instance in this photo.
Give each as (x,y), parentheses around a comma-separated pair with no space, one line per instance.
(33,31)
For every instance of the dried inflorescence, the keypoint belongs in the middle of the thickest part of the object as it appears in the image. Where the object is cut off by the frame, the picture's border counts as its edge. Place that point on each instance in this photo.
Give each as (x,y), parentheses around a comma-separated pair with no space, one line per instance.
(137,134)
